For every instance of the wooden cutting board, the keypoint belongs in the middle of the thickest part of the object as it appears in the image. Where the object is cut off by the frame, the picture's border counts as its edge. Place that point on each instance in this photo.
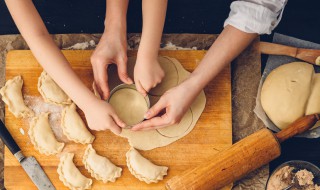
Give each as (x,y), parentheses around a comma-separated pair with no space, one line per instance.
(212,133)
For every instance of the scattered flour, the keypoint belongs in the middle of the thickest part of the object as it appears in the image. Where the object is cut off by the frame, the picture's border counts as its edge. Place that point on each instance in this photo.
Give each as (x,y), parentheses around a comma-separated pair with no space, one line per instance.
(21,131)
(38,105)
(82,45)
(171,46)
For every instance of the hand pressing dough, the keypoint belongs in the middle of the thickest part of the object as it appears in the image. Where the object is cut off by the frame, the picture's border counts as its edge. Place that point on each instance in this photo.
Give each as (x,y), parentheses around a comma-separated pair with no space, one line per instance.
(42,137)
(70,175)
(12,95)
(313,106)
(73,126)
(143,169)
(178,129)
(285,92)
(100,167)
(129,105)
(51,92)
(138,139)
(170,80)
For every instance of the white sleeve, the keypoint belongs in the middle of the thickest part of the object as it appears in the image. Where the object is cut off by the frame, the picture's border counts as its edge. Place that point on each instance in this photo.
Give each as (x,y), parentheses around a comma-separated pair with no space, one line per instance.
(255,16)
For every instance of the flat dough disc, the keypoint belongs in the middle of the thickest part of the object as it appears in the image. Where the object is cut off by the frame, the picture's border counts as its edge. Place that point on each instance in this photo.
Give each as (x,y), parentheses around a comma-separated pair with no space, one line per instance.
(285,92)
(129,105)
(178,129)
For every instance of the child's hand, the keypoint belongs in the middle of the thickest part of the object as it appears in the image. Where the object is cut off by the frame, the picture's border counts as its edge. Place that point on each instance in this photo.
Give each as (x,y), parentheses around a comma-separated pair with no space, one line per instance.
(147,74)
(112,48)
(101,116)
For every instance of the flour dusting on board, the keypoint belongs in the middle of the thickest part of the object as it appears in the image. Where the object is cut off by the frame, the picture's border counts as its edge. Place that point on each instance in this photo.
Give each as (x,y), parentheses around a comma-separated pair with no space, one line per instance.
(82,45)
(38,105)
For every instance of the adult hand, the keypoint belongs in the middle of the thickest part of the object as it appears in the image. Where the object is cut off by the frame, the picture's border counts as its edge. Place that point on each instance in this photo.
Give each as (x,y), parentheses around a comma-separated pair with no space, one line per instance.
(175,102)
(112,48)
(101,116)
(147,74)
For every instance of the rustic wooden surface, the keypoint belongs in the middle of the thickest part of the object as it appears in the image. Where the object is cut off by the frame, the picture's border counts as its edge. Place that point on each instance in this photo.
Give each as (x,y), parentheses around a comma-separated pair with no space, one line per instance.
(212,133)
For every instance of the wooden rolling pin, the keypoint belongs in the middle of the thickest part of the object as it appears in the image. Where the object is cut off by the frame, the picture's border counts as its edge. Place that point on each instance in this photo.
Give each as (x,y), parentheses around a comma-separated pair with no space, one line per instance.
(308,55)
(240,159)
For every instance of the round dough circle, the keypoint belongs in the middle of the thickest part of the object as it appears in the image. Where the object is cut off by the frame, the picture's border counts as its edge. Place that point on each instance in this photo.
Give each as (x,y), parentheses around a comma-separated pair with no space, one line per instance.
(170,79)
(129,105)
(285,92)
(178,129)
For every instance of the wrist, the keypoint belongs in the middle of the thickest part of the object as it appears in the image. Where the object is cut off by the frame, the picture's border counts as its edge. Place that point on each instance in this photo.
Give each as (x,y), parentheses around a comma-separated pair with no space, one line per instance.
(149,54)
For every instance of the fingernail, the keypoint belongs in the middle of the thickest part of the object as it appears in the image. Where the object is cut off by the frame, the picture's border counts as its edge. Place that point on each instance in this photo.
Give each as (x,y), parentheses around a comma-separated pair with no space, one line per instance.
(146,115)
(129,80)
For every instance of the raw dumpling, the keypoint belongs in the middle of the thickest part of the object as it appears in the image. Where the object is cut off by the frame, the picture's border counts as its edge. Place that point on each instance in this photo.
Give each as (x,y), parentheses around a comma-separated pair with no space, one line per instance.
(70,175)
(143,169)
(73,126)
(51,92)
(12,95)
(285,92)
(100,167)
(42,137)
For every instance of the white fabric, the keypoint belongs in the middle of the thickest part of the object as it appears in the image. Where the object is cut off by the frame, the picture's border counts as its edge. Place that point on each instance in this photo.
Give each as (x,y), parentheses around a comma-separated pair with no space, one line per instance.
(255,16)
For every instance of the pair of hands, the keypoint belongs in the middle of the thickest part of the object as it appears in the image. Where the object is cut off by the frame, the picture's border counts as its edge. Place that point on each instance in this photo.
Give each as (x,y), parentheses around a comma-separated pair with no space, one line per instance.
(147,74)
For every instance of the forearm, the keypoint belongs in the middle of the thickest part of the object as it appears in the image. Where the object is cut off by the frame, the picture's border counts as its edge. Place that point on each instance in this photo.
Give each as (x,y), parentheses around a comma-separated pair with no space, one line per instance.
(154,12)
(230,43)
(116,13)
(46,52)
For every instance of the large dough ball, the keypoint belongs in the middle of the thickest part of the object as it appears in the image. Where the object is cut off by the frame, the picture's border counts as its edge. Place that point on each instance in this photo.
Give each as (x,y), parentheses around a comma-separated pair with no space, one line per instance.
(286,91)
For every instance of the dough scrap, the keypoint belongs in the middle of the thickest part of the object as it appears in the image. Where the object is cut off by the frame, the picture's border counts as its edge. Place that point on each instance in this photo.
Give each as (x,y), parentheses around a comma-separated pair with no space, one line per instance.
(70,175)
(51,92)
(73,126)
(100,167)
(42,137)
(137,139)
(178,129)
(129,105)
(12,95)
(285,92)
(144,169)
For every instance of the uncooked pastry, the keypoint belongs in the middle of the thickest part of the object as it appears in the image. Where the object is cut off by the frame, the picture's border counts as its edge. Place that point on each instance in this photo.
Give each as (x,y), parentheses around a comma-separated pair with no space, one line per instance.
(51,92)
(12,95)
(144,169)
(100,167)
(42,137)
(313,106)
(70,175)
(285,92)
(129,105)
(73,126)
(138,139)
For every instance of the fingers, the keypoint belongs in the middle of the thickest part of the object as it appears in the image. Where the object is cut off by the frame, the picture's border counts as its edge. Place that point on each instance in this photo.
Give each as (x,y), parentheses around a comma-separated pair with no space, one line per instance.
(140,88)
(156,109)
(154,123)
(115,128)
(118,121)
(122,70)
(101,80)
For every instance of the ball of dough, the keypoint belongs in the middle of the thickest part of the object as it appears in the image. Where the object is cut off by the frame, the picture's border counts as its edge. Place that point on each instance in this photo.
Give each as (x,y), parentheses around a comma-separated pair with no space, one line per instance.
(286,91)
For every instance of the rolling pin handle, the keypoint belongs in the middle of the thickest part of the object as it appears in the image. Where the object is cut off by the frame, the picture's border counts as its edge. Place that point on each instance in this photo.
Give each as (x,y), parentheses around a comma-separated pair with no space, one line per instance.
(299,126)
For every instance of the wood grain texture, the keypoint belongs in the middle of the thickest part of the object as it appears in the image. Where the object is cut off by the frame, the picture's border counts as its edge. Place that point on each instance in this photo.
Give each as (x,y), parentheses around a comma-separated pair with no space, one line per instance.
(212,133)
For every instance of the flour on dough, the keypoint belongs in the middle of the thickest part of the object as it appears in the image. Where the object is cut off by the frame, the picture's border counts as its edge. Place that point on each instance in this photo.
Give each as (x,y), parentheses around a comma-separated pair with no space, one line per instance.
(129,105)
(73,126)
(285,92)
(42,137)
(70,175)
(51,92)
(138,139)
(12,95)
(144,169)
(100,167)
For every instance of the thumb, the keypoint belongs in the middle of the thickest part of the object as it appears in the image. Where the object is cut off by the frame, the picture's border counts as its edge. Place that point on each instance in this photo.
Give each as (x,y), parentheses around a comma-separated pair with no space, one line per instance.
(122,71)
(118,121)
(155,109)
